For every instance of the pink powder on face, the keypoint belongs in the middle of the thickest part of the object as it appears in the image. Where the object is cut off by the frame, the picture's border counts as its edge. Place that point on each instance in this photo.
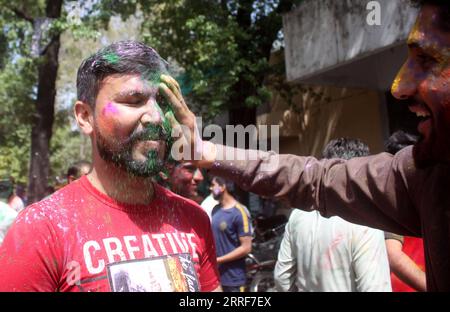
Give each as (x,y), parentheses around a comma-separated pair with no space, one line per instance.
(110,109)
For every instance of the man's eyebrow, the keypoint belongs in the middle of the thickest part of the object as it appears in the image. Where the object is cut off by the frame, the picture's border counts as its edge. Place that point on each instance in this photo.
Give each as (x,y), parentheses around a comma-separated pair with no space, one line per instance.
(136,93)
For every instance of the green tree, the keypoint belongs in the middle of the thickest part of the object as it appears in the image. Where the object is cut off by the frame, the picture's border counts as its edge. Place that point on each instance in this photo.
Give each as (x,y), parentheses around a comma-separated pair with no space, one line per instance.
(223,46)
(29,57)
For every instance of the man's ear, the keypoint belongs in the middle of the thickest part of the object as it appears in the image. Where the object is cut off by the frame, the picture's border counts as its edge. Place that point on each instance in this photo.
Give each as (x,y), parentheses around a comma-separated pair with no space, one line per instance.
(85,116)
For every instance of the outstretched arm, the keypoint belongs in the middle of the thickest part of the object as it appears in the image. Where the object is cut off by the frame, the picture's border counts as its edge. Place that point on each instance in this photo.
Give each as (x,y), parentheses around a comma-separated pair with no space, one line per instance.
(376,191)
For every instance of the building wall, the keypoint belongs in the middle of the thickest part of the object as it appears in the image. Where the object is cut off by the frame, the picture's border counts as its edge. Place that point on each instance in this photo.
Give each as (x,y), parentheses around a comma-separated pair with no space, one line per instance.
(321,35)
(331,113)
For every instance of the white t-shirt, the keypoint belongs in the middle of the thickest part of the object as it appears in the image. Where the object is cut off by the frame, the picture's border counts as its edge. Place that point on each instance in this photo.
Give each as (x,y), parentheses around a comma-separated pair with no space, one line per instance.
(7,217)
(208,204)
(320,254)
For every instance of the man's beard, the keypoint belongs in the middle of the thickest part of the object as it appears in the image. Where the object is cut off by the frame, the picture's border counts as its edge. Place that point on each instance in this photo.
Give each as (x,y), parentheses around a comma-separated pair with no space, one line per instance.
(217,197)
(120,154)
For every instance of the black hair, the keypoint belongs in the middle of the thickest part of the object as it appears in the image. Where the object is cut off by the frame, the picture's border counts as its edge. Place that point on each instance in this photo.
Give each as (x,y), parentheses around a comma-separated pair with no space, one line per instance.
(444,8)
(75,169)
(123,57)
(345,148)
(399,140)
(227,183)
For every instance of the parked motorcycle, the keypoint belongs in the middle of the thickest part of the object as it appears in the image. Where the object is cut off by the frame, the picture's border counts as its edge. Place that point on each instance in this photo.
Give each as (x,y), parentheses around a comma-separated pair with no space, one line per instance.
(261,261)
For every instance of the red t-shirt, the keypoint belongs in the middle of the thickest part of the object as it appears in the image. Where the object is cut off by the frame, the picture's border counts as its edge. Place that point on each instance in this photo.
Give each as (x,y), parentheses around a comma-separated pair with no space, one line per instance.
(79,239)
(413,247)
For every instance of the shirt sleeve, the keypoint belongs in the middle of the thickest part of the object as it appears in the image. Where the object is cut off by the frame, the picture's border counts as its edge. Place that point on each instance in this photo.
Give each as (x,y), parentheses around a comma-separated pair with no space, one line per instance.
(242,221)
(286,267)
(376,191)
(370,262)
(29,260)
(389,235)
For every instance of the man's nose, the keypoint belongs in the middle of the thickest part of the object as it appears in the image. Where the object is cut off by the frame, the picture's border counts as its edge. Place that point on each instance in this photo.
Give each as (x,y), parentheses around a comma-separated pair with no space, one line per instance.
(198,176)
(152,114)
(405,83)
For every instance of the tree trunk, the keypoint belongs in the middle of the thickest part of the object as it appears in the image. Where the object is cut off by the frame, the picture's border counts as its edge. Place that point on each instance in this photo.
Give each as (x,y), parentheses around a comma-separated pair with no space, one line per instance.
(41,132)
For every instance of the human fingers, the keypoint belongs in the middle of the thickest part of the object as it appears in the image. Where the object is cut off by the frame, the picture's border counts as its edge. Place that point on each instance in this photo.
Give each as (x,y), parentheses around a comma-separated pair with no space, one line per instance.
(173,86)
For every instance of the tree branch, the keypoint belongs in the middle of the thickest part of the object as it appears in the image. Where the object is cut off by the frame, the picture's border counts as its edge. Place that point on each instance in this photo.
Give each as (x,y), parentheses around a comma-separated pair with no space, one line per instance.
(22,15)
(54,38)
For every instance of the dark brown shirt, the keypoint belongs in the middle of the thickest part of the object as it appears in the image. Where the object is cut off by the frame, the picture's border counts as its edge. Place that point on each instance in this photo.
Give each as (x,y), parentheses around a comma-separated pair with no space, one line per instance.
(382,191)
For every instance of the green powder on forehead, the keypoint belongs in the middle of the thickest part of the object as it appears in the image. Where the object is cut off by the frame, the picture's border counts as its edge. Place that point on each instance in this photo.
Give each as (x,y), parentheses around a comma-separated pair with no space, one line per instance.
(111,58)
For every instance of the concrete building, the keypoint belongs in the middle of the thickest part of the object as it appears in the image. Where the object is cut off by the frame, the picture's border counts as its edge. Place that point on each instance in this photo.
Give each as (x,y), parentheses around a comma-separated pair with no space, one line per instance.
(343,55)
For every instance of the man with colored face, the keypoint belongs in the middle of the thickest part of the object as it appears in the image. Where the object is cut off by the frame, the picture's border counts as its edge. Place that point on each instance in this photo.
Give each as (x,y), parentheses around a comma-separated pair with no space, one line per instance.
(407,193)
(184,179)
(115,220)
(424,79)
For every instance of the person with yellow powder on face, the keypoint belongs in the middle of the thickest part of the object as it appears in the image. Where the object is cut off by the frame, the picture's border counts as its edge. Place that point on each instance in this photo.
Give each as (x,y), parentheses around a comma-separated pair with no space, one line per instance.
(407,193)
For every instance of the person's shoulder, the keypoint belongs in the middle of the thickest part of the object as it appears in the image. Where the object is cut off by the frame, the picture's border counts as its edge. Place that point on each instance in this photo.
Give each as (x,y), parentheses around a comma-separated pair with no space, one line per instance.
(241,212)
(360,231)
(240,206)
(215,209)
(299,214)
(51,204)
(185,204)
(167,195)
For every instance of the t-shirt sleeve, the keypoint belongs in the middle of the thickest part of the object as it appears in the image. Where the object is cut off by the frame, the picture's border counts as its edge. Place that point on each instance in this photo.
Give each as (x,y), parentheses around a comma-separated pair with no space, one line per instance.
(389,235)
(242,221)
(209,275)
(28,257)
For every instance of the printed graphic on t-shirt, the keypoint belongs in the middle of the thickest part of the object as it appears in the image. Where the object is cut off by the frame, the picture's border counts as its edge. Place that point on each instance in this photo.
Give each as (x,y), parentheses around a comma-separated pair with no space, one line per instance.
(172,273)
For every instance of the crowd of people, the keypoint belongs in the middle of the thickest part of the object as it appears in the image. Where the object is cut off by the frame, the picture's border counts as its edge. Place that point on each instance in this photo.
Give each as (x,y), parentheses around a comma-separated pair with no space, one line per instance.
(13,195)
(134,218)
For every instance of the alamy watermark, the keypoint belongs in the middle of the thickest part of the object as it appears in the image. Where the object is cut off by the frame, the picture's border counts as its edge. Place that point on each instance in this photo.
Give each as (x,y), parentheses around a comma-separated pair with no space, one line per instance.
(250,143)
(374,16)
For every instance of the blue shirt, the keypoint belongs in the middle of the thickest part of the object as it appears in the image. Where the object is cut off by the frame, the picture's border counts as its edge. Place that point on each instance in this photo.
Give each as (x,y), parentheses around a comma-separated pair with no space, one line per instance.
(228,225)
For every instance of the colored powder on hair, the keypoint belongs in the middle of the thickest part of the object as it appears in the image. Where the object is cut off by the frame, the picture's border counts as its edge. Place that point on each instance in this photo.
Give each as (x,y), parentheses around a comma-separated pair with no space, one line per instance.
(111,58)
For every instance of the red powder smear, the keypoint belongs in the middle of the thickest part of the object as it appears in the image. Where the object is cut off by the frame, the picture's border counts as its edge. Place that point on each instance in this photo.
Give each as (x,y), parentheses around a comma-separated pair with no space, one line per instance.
(110,109)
